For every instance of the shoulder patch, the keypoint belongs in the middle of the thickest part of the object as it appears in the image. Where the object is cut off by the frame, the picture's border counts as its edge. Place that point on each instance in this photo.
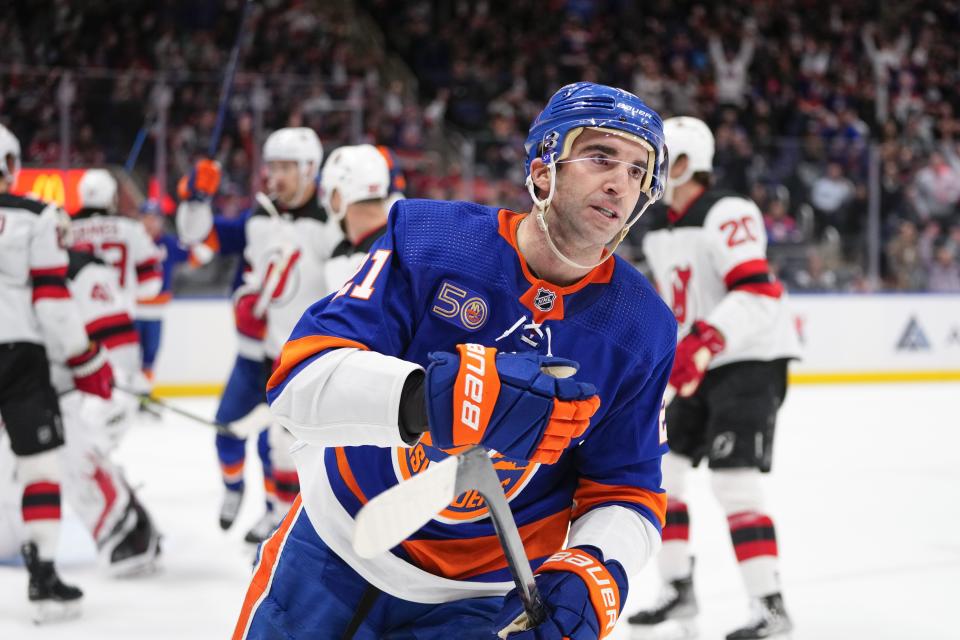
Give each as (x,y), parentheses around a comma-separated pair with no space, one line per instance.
(460,306)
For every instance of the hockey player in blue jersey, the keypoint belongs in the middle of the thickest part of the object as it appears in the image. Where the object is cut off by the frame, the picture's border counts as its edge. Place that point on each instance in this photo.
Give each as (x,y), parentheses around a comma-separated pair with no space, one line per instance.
(372,382)
(205,232)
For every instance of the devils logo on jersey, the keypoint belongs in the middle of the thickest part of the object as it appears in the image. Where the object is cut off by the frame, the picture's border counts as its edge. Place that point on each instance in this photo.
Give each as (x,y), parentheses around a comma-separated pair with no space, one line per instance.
(680,282)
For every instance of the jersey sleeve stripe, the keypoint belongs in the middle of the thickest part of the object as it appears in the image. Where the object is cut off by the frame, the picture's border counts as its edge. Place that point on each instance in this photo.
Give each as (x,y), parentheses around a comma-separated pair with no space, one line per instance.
(770,289)
(266,568)
(113,331)
(590,494)
(745,270)
(346,473)
(754,277)
(296,351)
(48,292)
(58,272)
(49,283)
(464,558)
(149,270)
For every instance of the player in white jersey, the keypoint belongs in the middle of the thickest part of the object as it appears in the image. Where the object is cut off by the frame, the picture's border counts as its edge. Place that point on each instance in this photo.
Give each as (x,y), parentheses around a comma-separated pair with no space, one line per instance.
(38,317)
(288,241)
(118,240)
(124,534)
(94,485)
(356,184)
(708,256)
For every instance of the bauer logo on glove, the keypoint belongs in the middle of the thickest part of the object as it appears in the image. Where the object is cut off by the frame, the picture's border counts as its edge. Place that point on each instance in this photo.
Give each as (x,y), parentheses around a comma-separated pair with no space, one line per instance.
(509,402)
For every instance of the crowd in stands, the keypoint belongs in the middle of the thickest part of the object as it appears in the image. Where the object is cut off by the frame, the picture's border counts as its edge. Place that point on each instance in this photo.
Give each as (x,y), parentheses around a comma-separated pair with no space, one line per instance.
(796,91)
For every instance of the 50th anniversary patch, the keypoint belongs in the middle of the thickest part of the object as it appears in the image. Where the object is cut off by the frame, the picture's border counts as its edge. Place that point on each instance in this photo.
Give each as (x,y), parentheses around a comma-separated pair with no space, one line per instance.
(460,306)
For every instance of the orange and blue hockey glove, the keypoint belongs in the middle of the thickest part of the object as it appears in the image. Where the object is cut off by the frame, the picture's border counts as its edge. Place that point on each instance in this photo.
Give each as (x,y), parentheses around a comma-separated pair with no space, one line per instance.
(201,183)
(583,596)
(508,402)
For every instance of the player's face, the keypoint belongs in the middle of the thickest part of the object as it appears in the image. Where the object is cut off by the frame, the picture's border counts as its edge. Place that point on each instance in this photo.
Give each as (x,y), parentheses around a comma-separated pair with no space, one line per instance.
(598,187)
(283,181)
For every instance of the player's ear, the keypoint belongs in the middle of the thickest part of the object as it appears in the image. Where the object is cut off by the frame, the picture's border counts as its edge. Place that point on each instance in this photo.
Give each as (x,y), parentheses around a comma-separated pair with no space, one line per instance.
(540,173)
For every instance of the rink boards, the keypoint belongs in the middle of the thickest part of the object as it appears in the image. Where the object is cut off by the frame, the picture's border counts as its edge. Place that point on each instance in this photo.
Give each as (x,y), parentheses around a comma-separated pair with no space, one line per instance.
(846,338)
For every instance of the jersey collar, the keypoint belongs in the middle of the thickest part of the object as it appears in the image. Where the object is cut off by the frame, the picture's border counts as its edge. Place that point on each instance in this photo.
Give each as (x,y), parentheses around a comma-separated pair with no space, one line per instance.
(543,298)
(674,216)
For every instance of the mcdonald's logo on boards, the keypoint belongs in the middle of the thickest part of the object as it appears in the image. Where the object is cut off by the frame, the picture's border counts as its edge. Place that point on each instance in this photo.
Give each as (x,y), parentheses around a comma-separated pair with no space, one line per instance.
(51,185)
(49,188)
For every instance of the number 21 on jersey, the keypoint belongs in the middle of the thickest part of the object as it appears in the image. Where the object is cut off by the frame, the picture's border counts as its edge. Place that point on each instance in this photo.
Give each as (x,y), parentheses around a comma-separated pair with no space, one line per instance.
(365,289)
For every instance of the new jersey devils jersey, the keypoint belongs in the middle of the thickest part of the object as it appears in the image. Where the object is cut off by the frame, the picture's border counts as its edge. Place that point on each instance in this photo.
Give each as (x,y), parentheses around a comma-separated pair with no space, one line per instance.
(710,263)
(124,244)
(450,273)
(102,308)
(286,254)
(35,304)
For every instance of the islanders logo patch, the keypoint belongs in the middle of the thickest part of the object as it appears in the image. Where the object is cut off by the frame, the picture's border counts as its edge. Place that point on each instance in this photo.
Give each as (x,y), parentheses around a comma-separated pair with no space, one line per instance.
(460,306)
(468,506)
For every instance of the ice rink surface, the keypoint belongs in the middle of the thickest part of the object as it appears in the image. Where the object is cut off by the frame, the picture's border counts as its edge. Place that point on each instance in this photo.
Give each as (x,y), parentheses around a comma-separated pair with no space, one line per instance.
(865,494)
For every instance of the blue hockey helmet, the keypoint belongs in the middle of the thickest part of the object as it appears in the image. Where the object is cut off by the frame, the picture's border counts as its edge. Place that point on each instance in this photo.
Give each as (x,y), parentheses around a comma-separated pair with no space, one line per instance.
(587,105)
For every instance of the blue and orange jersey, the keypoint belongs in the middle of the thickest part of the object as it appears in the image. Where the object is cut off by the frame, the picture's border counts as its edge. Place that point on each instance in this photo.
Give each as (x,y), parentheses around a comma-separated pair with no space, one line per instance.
(446,273)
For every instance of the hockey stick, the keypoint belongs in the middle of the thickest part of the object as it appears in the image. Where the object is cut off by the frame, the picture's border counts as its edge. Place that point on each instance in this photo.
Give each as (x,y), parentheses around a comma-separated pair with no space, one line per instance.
(245,427)
(227,86)
(389,518)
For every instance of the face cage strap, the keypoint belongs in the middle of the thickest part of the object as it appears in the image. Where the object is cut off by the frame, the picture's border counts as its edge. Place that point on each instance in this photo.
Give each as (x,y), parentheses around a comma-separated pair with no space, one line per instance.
(541,207)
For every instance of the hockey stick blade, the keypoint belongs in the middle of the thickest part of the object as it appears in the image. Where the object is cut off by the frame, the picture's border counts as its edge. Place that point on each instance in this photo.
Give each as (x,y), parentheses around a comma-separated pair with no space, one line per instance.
(390,517)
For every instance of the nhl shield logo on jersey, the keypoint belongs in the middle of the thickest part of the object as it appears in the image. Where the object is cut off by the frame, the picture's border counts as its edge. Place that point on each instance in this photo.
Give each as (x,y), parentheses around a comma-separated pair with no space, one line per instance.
(544,299)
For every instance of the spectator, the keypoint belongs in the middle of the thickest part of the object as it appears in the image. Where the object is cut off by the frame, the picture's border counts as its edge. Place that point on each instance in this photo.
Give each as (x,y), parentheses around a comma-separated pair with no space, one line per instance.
(904,261)
(814,277)
(781,227)
(731,70)
(944,270)
(936,188)
(830,196)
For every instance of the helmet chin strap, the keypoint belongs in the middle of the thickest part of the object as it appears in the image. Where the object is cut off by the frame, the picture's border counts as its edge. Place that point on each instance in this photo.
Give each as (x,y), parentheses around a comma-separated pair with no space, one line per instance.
(541,207)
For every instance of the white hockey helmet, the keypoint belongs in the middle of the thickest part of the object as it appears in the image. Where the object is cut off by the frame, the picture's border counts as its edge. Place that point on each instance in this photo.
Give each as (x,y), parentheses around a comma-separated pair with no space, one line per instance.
(357,173)
(9,155)
(98,190)
(296,144)
(690,137)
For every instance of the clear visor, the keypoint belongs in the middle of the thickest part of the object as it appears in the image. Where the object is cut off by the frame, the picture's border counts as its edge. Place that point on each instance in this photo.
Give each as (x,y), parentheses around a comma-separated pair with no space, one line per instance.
(599,163)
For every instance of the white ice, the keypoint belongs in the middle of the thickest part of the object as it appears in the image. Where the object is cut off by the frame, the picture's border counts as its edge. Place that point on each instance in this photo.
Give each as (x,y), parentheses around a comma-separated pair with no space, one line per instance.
(865,494)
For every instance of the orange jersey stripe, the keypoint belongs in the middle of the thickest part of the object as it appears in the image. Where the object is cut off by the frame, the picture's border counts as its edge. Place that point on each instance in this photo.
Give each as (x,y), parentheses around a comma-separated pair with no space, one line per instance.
(296,351)
(589,494)
(232,470)
(263,574)
(460,559)
(343,466)
(162,298)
